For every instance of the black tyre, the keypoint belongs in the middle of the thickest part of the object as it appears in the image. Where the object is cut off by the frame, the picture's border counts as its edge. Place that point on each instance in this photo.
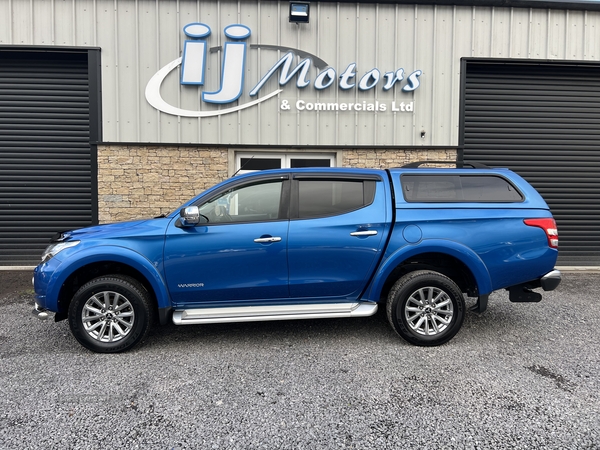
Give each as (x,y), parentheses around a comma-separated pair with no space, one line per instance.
(111,314)
(426,308)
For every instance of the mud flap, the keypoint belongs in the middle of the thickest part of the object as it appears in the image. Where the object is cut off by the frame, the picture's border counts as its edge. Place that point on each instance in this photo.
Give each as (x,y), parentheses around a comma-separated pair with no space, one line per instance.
(481,305)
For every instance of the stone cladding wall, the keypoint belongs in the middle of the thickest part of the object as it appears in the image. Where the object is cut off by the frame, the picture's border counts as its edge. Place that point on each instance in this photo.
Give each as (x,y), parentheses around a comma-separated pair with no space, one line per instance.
(146,181)
(385,159)
(137,182)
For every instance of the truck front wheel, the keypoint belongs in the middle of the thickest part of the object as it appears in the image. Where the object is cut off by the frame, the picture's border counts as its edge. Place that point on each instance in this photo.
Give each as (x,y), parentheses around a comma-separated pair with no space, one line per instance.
(426,308)
(110,314)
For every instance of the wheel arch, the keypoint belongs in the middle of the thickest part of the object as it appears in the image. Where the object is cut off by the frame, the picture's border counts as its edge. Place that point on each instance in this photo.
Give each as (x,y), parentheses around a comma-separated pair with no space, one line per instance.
(457,262)
(107,262)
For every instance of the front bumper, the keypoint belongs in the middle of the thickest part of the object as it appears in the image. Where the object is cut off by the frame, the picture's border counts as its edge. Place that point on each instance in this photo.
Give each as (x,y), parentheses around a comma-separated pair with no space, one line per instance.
(40,313)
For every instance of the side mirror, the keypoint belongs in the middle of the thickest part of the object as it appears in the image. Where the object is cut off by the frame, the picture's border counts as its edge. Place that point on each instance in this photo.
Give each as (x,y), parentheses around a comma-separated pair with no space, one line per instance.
(190,216)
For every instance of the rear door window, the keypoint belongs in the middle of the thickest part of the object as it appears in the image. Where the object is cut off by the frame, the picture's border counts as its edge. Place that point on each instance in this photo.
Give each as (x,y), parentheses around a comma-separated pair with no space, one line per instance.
(319,198)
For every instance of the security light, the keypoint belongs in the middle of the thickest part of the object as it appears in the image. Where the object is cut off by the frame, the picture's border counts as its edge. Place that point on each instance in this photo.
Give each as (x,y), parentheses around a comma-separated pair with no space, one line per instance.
(299,12)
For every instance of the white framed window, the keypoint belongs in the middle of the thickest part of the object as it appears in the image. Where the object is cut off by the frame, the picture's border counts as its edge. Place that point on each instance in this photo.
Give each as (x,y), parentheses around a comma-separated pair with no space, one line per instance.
(246,162)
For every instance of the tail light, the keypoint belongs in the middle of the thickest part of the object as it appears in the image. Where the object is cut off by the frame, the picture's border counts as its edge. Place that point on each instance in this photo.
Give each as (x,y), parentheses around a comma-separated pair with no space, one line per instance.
(549,227)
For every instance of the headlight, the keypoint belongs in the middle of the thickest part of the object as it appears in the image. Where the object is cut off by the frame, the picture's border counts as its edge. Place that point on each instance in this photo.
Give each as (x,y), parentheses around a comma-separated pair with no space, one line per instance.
(54,249)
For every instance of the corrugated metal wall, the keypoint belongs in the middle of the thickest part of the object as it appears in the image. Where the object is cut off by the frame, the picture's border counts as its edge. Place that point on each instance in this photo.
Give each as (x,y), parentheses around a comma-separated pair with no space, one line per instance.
(543,121)
(139,37)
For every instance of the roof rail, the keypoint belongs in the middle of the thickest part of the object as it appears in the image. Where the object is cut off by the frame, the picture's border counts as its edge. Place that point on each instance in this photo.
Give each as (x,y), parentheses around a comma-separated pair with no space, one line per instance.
(459,165)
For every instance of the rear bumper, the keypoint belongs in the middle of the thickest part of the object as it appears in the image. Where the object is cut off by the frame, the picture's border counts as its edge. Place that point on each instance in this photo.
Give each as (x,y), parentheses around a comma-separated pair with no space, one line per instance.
(551,280)
(523,293)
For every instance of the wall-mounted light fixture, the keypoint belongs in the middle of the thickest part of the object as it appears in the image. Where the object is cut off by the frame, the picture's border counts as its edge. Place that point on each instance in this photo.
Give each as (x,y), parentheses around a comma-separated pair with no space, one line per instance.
(299,12)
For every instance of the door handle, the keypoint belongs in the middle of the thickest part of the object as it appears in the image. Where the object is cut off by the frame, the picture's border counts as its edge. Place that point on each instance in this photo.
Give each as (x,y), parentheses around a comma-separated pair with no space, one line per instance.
(267,240)
(364,233)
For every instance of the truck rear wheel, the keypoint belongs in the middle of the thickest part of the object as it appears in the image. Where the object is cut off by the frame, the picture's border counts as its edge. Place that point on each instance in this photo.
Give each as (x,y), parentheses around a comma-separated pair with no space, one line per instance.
(426,308)
(110,314)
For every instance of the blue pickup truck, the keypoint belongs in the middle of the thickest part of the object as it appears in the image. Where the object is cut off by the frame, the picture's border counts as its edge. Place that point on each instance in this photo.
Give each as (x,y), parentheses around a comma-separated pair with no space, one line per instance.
(304,244)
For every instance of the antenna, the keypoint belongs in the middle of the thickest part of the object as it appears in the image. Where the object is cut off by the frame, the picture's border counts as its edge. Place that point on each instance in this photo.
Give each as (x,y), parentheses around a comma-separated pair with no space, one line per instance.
(242,167)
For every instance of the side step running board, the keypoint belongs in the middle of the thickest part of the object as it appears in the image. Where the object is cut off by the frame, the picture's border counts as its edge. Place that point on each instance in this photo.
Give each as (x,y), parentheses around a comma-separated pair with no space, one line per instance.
(276,312)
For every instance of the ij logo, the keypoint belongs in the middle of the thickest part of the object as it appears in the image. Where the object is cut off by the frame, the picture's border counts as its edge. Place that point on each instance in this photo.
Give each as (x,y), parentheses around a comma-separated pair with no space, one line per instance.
(193,64)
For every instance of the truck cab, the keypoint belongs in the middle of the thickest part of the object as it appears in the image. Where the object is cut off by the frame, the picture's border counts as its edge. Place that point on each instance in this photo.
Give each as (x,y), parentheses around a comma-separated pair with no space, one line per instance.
(308,243)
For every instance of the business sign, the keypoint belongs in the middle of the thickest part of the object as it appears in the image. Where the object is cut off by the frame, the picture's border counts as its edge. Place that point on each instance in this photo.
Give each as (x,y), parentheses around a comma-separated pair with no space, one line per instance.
(193,63)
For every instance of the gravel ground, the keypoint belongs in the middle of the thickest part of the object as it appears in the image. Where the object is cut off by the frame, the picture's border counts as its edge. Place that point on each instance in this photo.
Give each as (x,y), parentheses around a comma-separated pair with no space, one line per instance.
(520,376)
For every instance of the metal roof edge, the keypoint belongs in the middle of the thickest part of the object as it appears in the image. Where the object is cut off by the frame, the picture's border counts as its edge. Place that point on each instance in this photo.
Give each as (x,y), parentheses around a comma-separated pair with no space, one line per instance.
(589,5)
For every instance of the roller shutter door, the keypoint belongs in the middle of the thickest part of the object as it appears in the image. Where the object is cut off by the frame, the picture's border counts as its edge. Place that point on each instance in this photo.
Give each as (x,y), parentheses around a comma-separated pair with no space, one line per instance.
(45,153)
(542,120)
